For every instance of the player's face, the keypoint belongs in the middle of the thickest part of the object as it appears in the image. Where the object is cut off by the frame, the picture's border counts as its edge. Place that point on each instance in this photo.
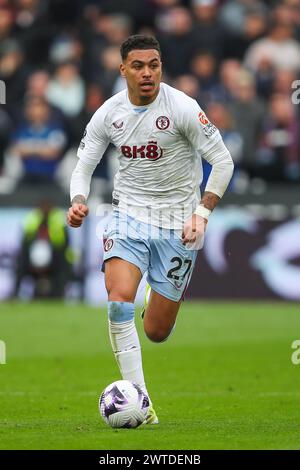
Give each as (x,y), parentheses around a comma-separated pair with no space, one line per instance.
(142,70)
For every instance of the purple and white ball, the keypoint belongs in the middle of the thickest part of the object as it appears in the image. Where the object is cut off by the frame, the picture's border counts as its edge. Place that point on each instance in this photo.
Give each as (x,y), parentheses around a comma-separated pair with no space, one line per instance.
(123,404)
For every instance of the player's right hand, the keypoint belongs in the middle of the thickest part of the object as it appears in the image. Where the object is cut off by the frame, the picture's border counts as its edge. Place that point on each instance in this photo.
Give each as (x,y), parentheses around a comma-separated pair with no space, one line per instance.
(76,214)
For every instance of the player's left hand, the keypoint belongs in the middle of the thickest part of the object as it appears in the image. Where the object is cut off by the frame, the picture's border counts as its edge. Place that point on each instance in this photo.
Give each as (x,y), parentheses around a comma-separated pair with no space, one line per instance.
(193,232)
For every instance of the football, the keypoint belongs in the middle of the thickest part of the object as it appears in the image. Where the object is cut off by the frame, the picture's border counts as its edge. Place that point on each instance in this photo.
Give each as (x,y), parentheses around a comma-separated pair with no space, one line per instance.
(123,404)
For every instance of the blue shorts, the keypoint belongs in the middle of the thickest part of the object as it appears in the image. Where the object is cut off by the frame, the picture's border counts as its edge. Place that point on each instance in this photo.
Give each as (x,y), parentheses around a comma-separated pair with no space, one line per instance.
(159,251)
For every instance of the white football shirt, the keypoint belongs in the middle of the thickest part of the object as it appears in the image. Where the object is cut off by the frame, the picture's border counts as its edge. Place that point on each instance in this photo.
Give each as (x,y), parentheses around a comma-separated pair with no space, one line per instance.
(158,145)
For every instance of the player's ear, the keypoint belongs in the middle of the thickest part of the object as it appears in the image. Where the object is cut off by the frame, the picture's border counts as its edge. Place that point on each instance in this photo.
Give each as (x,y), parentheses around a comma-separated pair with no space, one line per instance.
(122,70)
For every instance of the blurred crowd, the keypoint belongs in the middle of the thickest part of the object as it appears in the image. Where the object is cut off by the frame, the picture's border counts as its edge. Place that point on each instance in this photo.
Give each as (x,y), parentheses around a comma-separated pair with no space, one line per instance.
(59,60)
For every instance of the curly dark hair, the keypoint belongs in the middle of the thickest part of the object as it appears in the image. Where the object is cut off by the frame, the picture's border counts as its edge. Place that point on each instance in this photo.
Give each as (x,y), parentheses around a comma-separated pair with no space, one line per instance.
(138,41)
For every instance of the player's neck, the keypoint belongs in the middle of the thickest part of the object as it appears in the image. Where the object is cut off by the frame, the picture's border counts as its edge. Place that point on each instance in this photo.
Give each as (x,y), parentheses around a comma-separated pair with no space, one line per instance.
(142,100)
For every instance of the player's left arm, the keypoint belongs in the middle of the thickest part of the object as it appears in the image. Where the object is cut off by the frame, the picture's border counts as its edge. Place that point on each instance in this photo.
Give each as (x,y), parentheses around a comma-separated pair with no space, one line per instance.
(206,138)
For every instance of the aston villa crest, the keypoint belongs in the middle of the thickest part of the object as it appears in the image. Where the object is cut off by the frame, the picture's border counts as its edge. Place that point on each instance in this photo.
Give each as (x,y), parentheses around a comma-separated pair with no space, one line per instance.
(162,123)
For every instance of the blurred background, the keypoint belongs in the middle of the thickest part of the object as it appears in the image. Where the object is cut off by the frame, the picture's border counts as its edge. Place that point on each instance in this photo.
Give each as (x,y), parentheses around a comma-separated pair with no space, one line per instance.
(59,61)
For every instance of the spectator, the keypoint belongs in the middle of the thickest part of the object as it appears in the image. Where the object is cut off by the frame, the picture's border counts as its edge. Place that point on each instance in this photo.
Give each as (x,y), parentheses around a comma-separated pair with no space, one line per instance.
(107,72)
(283,80)
(222,118)
(34,30)
(177,39)
(140,13)
(14,72)
(94,99)
(278,153)
(6,23)
(203,67)
(254,27)
(229,72)
(66,90)
(189,85)
(288,11)
(248,112)
(279,49)
(39,142)
(209,34)
(104,31)
(66,48)
(37,84)
(234,13)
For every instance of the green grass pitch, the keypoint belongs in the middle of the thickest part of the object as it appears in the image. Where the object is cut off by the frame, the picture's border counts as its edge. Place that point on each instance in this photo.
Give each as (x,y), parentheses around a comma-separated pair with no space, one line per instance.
(223,380)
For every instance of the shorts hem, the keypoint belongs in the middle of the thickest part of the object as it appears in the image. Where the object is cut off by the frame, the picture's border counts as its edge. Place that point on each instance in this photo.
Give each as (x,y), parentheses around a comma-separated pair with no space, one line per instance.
(164,294)
(130,259)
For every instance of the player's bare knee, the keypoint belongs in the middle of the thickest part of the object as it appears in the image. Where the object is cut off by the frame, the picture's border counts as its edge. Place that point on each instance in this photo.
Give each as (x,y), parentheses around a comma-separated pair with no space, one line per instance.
(118,292)
(118,295)
(156,335)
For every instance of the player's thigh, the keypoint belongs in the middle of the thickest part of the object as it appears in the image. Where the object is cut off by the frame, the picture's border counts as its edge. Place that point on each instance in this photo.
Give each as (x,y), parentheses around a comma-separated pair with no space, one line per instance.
(160,315)
(126,257)
(171,267)
(122,279)
(170,270)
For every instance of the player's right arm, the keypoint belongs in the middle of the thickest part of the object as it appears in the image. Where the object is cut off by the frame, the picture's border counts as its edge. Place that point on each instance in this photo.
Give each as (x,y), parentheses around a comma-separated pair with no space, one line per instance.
(78,211)
(91,149)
